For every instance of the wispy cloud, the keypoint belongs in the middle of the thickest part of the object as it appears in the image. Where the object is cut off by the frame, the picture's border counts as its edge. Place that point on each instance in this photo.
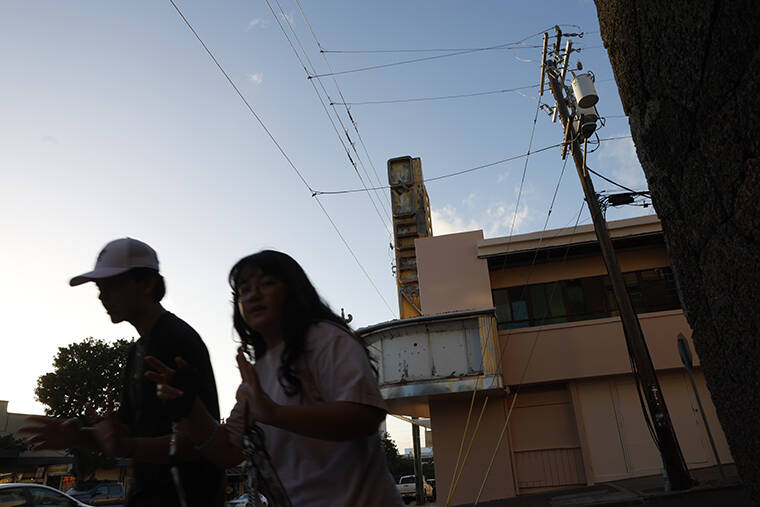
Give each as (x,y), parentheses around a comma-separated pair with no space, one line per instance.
(495,221)
(500,217)
(621,163)
(469,200)
(289,18)
(447,220)
(503,176)
(256,78)
(257,22)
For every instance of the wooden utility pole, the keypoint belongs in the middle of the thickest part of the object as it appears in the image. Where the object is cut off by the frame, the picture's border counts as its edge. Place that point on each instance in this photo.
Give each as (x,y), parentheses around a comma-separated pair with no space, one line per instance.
(672,458)
(418,478)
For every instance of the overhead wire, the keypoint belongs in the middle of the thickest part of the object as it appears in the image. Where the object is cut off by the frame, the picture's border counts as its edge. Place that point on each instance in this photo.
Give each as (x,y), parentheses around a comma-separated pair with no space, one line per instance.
(245,101)
(608,180)
(340,93)
(463,171)
(280,148)
(322,102)
(427,50)
(440,97)
(525,166)
(378,196)
(448,97)
(432,50)
(440,50)
(427,58)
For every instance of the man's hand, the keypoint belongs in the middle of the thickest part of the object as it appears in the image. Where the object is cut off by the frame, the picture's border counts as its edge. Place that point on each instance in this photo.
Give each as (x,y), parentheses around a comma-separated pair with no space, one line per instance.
(113,438)
(177,387)
(52,433)
(260,405)
(162,377)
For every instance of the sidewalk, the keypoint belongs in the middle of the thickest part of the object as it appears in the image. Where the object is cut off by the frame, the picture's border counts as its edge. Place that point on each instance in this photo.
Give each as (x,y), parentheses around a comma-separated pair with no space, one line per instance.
(710,490)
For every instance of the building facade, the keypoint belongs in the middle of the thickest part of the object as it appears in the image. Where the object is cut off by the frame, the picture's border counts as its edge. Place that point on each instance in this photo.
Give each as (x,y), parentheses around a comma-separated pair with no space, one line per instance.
(525,330)
(53,468)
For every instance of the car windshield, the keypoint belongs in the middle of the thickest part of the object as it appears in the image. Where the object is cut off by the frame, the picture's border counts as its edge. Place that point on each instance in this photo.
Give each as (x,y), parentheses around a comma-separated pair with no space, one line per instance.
(409,479)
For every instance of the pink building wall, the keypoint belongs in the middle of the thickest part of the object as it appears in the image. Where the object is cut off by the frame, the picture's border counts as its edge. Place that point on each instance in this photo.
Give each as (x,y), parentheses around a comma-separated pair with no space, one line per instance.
(578,415)
(451,275)
(448,417)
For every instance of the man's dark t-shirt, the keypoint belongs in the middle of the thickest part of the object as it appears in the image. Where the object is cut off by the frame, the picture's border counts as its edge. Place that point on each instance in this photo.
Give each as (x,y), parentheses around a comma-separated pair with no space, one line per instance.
(145,415)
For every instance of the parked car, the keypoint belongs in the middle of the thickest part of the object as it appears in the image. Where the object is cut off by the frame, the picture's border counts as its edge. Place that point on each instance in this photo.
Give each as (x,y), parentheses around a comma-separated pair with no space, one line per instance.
(100,493)
(241,501)
(407,488)
(32,495)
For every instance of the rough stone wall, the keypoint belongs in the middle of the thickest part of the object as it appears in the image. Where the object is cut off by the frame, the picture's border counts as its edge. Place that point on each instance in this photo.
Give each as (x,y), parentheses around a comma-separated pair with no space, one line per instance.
(689,79)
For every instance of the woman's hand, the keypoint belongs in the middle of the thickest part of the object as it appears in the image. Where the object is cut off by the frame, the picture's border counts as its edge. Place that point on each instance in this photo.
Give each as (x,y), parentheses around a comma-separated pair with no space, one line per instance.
(260,405)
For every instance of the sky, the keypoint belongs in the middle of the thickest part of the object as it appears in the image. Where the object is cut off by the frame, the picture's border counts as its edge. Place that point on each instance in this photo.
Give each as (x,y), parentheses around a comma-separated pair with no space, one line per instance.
(115,122)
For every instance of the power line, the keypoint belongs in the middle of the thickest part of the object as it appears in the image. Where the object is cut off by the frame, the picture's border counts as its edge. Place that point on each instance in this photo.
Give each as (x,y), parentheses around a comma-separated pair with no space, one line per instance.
(525,167)
(441,50)
(605,178)
(513,45)
(446,97)
(429,50)
(423,59)
(457,173)
(245,101)
(311,65)
(348,110)
(441,97)
(282,151)
(351,251)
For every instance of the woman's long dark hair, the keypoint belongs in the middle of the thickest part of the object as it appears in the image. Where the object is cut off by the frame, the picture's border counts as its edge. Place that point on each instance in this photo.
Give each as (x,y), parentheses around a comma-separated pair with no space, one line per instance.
(302,308)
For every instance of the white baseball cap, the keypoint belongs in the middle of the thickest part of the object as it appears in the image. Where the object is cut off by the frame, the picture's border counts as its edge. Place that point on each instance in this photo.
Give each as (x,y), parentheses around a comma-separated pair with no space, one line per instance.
(117,257)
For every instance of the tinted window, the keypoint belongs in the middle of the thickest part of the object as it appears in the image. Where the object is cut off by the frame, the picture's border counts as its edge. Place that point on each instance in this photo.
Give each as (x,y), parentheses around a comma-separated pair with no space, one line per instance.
(651,290)
(556,297)
(407,480)
(519,306)
(50,498)
(12,497)
(501,302)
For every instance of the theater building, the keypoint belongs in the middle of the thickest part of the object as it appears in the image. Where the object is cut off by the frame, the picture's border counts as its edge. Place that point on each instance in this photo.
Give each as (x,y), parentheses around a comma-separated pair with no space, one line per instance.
(527,327)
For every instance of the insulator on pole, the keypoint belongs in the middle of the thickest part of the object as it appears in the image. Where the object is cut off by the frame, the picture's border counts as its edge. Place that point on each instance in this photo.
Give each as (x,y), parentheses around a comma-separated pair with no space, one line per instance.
(568,48)
(543,66)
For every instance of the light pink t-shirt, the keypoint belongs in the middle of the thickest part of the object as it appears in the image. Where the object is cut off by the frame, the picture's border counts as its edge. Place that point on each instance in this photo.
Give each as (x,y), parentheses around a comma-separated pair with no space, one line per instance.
(321,473)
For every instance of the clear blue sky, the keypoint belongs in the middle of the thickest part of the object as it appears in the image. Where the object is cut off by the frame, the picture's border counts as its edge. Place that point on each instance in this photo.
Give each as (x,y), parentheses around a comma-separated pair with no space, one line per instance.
(114,122)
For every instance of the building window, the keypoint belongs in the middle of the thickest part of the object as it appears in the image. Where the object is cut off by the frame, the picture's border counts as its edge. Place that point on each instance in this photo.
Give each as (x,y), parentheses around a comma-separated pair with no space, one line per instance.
(651,290)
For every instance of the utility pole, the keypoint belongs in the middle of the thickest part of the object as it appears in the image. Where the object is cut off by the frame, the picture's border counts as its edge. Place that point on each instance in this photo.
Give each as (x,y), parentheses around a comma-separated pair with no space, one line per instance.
(672,458)
(420,490)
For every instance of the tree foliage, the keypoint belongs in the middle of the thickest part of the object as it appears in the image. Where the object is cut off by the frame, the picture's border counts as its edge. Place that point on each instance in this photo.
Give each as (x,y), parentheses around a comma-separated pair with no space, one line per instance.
(86,379)
(85,383)
(12,446)
(399,464)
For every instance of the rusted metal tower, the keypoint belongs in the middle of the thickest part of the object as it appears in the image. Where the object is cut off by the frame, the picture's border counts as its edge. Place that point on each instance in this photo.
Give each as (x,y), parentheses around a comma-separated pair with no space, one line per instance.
(411,220)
